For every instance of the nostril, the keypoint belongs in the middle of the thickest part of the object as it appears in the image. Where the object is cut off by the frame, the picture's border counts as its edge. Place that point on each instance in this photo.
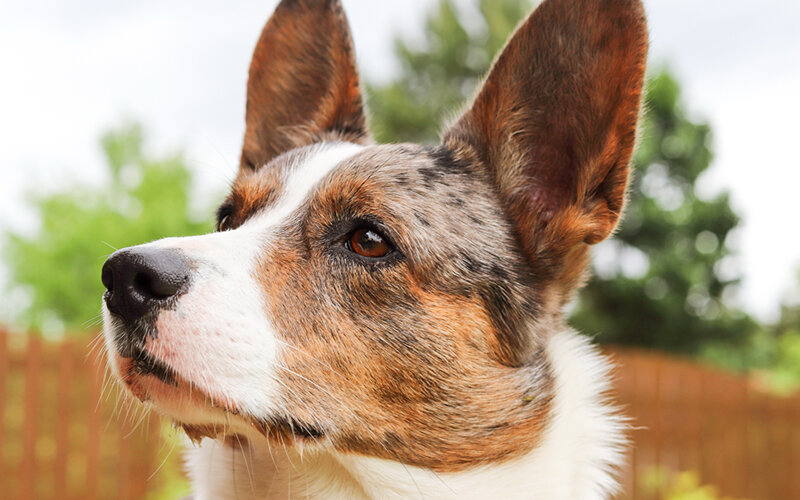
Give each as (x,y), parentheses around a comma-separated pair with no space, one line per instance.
(157,286)
(107,277)
(141,283)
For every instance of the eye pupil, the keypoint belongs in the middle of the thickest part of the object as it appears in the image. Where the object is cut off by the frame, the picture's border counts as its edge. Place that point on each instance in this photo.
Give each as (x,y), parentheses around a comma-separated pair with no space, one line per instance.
(368,243)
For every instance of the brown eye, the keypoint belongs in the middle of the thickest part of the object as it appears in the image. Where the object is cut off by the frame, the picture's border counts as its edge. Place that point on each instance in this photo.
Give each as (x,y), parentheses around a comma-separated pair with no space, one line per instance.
(368,243)
(224,223)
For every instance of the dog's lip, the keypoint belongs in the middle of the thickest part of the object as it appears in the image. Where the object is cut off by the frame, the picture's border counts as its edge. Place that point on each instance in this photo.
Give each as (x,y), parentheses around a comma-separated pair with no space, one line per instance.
(143,362)
(283,430)
(152,380)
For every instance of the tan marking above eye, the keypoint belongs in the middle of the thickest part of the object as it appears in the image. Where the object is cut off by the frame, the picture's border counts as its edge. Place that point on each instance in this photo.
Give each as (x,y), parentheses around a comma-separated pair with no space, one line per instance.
(368,243)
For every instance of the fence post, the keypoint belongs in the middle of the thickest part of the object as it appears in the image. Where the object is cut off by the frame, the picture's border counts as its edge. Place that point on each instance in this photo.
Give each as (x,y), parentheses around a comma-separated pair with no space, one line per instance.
(33,365)
(3,379)
(93,421)
(65,371)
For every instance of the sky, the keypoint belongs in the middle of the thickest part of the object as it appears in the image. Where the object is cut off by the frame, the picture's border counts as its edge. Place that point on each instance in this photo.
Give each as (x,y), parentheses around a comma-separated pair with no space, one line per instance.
(70,70)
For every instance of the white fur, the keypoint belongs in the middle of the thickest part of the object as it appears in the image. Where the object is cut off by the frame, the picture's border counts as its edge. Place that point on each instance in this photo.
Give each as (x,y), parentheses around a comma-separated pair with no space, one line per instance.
(231,356)
(304,179)
(576,458)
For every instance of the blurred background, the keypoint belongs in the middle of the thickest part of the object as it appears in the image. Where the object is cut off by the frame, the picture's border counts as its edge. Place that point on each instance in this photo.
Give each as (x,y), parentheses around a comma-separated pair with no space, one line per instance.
(121,123)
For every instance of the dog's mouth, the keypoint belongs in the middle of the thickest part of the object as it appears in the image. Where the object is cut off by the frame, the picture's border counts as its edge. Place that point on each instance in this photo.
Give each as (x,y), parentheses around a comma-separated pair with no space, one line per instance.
(153,381)
(144,363)
(284,430)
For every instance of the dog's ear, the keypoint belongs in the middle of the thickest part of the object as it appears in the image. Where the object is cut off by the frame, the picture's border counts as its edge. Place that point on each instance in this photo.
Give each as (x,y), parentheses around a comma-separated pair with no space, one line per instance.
(555,125)
(303,85)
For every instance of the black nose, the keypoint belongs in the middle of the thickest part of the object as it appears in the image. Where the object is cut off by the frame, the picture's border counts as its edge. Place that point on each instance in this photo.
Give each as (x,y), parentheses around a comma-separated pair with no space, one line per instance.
(140,279)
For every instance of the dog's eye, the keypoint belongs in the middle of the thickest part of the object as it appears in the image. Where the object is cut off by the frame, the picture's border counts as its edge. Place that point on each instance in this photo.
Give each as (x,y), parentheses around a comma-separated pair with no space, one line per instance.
(225,216)
(369,243)
(225,223)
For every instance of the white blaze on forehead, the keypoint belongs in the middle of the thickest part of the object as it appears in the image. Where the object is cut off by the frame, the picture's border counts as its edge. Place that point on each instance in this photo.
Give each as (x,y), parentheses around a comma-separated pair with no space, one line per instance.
(303,178)
(219,336)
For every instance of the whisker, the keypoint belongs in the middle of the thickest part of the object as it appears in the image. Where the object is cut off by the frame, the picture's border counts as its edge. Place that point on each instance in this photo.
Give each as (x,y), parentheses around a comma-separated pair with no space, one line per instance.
(109,245)
(246,464)
(163,462)
(92,321)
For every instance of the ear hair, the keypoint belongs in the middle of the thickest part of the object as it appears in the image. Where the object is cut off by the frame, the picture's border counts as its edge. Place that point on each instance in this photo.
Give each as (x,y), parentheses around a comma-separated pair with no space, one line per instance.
(303,85)
(555,125)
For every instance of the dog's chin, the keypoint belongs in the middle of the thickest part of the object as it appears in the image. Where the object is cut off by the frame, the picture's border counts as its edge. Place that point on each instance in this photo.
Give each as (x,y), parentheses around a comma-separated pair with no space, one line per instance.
(153,382)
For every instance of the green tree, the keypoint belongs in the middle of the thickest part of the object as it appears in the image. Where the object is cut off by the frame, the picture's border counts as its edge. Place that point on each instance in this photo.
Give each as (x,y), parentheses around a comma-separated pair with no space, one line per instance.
(440,72)
(784,365)
(58,268)
(670,265)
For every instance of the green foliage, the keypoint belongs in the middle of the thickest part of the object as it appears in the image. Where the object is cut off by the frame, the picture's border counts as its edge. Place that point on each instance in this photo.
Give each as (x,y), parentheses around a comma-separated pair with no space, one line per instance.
(59,267)
(773,351)
(785,368)
(678,486)
(784,372)
(672,298)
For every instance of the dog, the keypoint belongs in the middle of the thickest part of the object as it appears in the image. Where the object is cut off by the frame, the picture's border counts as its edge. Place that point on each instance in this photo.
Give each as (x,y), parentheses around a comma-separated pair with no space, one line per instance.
(386,321)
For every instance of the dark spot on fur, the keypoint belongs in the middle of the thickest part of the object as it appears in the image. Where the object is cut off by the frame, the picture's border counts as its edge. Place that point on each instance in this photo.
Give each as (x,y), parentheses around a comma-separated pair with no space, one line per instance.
(457,202)
(497,299)
(392,394)
(499,273)
(491,429)
(445,161)
(431,176)
(350,131)
(422,220)
(444,164)
(507,319)
(470,263)
(393,440)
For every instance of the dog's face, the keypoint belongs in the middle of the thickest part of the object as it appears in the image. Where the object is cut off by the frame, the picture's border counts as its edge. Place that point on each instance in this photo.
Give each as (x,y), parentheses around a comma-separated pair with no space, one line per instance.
(389,300)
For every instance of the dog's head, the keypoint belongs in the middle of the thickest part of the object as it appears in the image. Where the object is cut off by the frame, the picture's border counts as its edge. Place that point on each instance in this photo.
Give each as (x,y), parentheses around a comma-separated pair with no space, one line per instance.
(389,300)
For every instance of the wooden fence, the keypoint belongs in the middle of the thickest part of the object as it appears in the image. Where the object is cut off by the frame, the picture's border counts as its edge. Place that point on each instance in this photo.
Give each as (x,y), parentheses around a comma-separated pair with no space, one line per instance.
(60,439)
(687,416)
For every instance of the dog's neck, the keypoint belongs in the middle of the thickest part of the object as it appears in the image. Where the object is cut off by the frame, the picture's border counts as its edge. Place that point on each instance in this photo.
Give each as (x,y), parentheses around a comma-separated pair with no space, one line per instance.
(576,457)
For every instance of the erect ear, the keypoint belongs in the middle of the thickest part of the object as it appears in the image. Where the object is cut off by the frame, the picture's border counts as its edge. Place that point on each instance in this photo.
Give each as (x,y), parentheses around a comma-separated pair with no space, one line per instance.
(303,85)
(555,124)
